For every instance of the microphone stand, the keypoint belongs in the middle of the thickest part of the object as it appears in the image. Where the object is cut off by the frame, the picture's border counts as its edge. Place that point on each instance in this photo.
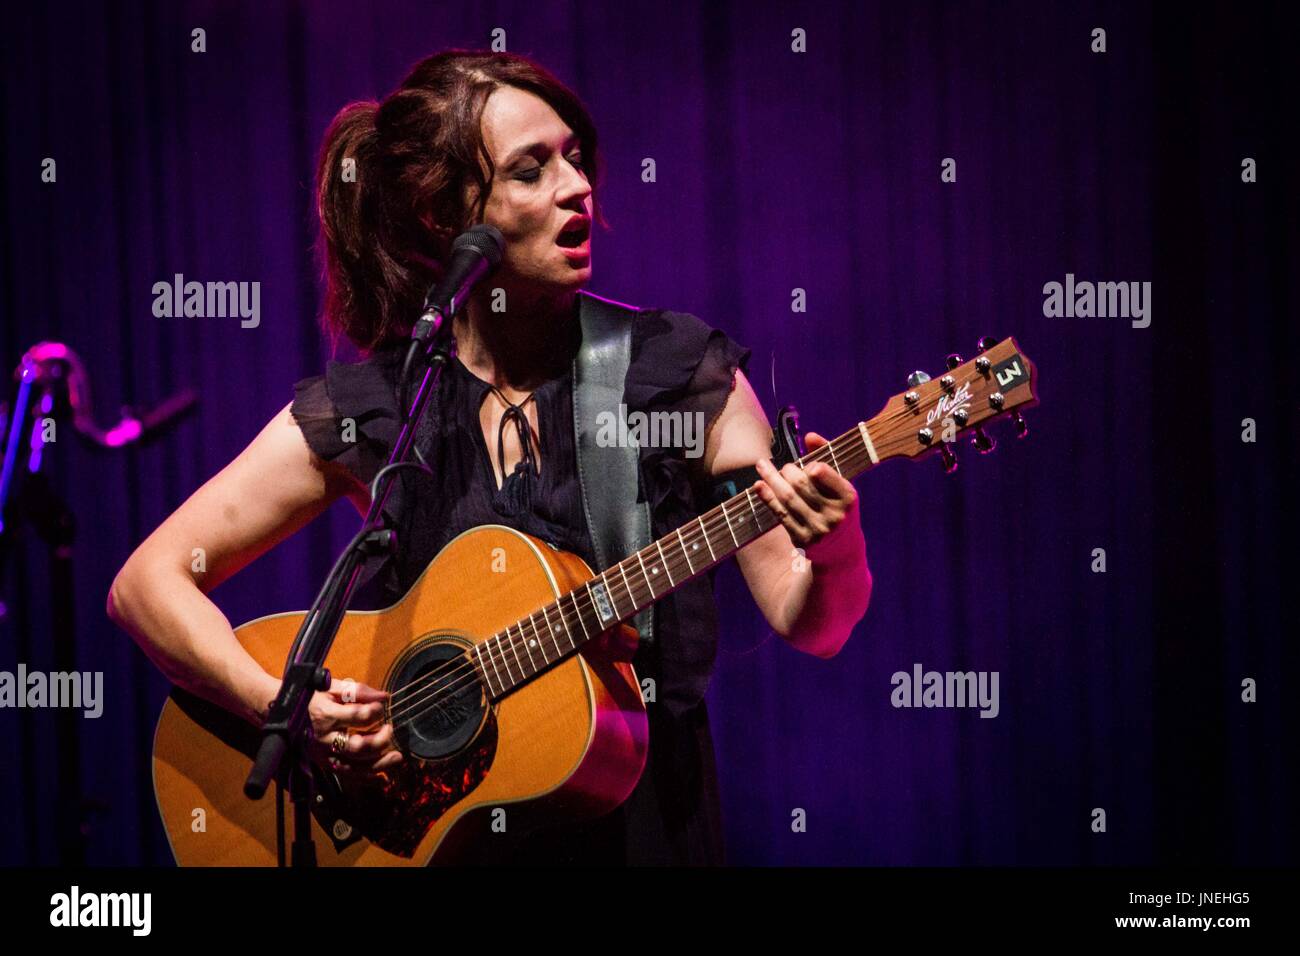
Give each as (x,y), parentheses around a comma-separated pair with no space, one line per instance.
(54,385)
(284,733)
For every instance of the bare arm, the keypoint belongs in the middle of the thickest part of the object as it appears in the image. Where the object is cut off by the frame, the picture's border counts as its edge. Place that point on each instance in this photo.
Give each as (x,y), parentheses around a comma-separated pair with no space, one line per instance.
(274,487)
(814,600)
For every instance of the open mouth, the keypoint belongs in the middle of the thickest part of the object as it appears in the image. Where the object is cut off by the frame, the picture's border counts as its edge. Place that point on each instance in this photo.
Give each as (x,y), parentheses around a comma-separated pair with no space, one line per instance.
(574,236)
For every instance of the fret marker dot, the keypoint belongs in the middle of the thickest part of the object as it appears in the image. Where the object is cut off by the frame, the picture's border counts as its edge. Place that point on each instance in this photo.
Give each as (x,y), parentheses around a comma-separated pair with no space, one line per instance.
(532,642)
(654,570)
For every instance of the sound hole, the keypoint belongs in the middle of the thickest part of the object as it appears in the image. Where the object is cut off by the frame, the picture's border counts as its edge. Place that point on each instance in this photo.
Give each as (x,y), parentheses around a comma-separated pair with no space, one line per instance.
(437,702)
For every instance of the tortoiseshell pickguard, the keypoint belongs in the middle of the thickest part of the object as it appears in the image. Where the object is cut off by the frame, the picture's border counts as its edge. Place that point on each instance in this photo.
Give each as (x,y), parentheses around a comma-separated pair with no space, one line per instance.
(397,813)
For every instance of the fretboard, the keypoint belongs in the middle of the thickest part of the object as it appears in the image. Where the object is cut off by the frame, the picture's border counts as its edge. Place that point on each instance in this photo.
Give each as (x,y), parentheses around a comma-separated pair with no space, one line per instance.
(530,645)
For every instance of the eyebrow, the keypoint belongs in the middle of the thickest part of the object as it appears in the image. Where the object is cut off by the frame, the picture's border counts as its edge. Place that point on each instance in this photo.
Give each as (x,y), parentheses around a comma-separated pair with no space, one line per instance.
(531,147)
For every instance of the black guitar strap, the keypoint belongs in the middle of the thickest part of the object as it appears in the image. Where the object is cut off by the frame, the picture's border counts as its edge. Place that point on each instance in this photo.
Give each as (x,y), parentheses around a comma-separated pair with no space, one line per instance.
(608,475)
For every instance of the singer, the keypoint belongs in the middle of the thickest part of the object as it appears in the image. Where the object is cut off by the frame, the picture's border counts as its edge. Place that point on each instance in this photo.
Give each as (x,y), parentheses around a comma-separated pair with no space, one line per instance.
(468,138)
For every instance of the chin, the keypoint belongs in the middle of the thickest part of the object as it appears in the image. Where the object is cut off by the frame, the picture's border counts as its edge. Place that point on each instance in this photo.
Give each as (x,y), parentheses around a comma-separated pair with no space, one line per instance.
(575,279)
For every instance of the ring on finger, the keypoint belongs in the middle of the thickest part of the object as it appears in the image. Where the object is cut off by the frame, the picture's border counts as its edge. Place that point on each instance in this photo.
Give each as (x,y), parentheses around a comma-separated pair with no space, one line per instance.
(340,741)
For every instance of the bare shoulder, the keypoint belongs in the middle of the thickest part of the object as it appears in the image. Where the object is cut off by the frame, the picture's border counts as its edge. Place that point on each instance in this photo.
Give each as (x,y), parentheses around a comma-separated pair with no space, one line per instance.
(741,434)
(281,450)
(272,488)
(282,442)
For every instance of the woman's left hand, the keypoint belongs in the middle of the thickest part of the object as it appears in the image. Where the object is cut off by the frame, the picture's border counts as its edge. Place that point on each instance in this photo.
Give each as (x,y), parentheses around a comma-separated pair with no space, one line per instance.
(817,505)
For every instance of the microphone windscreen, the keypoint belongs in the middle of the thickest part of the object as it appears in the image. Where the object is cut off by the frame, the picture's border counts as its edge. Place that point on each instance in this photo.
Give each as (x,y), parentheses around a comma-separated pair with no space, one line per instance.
(486,239)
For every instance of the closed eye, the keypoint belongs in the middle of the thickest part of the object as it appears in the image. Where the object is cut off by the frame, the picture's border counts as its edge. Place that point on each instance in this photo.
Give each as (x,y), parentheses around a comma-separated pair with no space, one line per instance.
(533,175)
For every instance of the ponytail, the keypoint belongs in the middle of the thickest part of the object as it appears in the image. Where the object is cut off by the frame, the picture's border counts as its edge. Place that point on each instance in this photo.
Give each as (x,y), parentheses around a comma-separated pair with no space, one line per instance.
(360,270)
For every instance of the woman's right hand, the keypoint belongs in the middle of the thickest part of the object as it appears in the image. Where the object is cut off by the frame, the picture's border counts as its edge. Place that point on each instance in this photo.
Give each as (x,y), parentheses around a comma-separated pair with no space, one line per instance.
(347,735)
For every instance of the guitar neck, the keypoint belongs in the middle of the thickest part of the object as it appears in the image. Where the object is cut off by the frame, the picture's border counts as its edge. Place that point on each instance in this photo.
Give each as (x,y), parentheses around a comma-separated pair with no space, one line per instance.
(531,644)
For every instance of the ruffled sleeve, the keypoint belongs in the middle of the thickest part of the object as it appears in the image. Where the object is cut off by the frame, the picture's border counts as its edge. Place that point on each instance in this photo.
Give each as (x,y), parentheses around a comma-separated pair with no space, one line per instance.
(679,363)
(349,414)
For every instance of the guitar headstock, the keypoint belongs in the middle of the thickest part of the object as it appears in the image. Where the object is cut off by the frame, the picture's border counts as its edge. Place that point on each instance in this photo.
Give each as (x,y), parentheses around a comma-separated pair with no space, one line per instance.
(930,415)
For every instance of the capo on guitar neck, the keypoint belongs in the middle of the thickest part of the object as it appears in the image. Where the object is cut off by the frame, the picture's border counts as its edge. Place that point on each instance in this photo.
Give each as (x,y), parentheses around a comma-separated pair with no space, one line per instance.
(787,446)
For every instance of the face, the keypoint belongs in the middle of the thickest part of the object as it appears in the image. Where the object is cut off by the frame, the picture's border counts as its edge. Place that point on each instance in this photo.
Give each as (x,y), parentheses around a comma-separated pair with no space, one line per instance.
(540,199)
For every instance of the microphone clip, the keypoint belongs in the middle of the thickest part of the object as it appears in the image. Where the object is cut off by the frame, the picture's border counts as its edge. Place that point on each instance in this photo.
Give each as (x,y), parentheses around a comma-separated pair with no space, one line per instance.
(427,326)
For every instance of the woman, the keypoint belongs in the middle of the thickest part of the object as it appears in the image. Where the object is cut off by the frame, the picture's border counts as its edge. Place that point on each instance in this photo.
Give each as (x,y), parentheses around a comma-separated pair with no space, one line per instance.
(468,138)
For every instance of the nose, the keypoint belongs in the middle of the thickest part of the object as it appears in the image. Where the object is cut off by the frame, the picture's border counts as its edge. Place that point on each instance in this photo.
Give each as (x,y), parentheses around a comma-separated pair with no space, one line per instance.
(574,186)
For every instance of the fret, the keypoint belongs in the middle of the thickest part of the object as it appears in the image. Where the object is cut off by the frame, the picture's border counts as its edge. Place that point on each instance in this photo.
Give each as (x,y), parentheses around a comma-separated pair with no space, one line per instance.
(686,552)
(529,644)
(487,647)
(664,562)
(705,531)
(527,649)
(727,518)
(649,585)
(523,671)
(532,619)
(537,642)
(479,649)
(752,509)
(511,639)
(504,659)
(834,460)
(578,611)
(564,621)
(555,630)
(627,586)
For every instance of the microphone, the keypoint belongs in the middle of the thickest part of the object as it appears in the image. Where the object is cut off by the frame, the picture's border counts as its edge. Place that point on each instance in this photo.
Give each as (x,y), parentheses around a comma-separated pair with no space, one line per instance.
(474,254)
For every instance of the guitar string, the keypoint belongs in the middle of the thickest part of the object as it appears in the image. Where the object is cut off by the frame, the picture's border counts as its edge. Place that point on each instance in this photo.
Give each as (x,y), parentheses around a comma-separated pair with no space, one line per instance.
(446,684)
(583,609)
(414,709)
(822,453)
(441,682)
(464,665)
(711,527)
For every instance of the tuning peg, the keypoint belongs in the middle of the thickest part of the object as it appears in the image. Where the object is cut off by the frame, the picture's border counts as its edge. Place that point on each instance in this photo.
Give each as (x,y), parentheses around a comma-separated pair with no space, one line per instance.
(949,458)
(1019,421)
(953,361)
(986,342)
(983,442)
(917,378)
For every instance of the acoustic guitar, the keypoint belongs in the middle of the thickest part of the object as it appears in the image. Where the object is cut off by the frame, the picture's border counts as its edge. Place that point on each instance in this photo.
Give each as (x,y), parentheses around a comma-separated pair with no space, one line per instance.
(511,708)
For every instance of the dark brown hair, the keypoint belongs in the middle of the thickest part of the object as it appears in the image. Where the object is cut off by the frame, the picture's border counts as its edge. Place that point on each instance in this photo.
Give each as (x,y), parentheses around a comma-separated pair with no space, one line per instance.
(385,238)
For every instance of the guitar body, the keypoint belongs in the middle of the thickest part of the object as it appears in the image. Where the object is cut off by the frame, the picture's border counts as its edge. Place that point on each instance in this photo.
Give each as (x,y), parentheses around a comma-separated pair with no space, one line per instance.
(478,774)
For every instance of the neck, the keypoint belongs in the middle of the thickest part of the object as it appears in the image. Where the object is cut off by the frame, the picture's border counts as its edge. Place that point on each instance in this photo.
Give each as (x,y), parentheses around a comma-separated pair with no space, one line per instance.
(531,343)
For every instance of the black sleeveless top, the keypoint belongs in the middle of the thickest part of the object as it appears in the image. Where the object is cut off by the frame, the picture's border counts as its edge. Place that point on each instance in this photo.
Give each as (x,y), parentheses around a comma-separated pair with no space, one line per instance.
(678,364)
